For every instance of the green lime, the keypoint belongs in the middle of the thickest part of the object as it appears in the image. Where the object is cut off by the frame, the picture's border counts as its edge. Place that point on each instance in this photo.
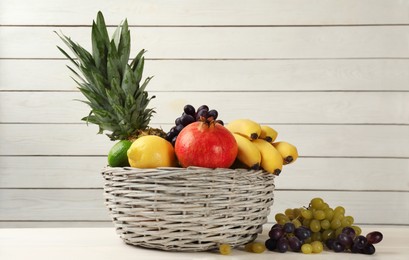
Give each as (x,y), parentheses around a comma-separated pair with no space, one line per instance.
(117,156)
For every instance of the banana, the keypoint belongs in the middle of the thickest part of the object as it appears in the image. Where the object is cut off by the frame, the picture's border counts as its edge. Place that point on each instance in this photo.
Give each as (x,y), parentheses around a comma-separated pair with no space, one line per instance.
(271,159)
(248,153)
(288,151)
(245,127)
(268,133)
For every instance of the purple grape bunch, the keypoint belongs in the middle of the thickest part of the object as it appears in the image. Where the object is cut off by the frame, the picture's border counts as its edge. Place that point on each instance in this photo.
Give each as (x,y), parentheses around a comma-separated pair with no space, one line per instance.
(287,237)
(190,115)
(348,241)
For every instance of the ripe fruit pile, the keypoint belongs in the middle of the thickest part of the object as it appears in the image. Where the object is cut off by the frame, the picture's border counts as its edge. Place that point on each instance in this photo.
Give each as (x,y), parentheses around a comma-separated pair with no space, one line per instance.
(307,229)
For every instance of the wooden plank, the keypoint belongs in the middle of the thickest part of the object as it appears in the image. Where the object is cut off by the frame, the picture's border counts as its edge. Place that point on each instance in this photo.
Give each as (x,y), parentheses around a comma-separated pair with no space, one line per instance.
(385,174)
(229,75)
(263,107)
(224,42)
(54,224)
(209,12)
(311,140)
(52,172)
(88,205)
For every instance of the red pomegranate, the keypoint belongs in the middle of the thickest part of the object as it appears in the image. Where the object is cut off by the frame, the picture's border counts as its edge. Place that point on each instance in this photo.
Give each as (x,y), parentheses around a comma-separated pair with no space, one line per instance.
(206,144)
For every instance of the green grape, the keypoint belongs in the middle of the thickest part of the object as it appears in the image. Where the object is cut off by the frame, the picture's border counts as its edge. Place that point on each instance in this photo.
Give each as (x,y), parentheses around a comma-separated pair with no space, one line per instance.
(345,223)
(338,215)
(339,210)
(289,213)
(325,224)
(225,249)
(319,214)
(317,203)
(281,217)
(358,230)
(296,223)
(306,222)
(317,247)
(306,249)
(249,247)
(258,248)
(329,213)
(282,222)
(308,240)
(315,225)
(338,231)
(325,206)
(335,223)
(316,236)
(327,234)
(297,212)
(306,214)
(350,219)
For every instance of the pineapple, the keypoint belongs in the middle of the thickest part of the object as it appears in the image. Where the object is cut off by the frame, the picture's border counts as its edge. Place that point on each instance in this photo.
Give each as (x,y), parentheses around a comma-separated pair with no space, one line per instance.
(112,87)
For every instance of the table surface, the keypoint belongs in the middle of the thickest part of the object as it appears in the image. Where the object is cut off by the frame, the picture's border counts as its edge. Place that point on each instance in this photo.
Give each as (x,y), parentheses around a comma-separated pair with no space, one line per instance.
(104,243)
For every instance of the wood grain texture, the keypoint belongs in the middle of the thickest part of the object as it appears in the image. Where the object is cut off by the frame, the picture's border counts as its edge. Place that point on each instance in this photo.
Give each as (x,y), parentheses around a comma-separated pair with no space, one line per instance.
(207,12)
(229,75)
(88,205)
(224,42)
(305,174)
(311,140)
(271,107)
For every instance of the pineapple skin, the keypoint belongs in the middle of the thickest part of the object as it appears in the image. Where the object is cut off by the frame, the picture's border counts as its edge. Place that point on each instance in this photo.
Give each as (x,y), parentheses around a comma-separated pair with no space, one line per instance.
(113,88)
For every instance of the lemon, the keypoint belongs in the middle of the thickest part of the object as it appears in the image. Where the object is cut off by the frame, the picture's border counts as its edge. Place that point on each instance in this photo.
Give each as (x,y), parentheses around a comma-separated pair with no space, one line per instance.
(151,151)
(117,156)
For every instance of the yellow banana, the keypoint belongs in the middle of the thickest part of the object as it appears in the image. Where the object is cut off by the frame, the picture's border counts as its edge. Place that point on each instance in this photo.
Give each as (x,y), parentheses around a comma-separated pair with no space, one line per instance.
(268,133)
(245,127)
(271,159)
(248,153)
(288,151)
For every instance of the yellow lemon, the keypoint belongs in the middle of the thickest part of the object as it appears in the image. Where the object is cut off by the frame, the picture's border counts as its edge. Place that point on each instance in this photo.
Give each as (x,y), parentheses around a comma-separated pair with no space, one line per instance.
(151,151)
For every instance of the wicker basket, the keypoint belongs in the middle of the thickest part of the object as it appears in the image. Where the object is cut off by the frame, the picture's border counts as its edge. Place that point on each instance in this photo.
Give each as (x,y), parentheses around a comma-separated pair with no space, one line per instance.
(193,209)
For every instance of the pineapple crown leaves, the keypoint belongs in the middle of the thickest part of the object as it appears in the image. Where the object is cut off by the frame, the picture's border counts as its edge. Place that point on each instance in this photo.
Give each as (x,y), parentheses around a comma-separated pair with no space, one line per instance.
(112,87)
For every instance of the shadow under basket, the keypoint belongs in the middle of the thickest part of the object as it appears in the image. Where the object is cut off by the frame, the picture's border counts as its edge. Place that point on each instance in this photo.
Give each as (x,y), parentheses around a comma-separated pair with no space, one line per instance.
(188,209)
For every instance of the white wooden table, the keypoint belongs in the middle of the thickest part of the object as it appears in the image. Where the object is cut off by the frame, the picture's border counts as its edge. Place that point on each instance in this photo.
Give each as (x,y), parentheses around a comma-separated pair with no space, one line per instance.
(103,243)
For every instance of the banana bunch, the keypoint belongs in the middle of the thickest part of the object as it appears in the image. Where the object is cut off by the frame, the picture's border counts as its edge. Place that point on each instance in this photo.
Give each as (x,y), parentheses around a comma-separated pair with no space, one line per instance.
(257,147)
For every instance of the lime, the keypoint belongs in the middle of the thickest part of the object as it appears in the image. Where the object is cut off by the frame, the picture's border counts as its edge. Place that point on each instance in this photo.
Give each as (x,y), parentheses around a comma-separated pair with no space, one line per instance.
(151,151)
(117,156)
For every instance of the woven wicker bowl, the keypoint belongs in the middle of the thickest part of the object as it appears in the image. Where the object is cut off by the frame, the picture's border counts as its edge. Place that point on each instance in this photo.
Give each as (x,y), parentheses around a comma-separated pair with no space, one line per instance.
(193,209)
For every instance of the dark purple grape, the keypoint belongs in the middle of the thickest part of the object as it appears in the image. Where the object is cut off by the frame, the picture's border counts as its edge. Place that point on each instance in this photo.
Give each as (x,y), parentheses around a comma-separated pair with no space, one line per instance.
(360,242)
(276,233)
(345,240)
(374,237)
(329,243)
(337,247)
(271,244)
(187,119)
(355,249)
(212,113)
(220,122)
(178,121)
(203,107)
(179,128)
(369,249)
(276,225)
(289,227)
(302,233)
(282,245)
(170,135)
(349,231)
(295,244)
(174,140)
(201,113)
(190,110)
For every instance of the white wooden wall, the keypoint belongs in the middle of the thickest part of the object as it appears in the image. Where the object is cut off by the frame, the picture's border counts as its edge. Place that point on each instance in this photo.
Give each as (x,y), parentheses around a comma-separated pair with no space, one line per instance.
(331,76)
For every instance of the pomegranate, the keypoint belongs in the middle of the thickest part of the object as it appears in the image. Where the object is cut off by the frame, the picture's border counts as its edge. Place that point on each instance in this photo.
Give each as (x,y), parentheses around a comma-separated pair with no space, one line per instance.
(206,144)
